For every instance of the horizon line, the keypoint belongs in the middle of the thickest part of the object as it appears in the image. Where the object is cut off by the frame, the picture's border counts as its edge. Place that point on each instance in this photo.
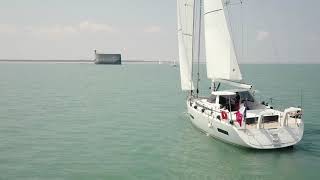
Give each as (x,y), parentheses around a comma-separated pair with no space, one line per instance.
(137,60)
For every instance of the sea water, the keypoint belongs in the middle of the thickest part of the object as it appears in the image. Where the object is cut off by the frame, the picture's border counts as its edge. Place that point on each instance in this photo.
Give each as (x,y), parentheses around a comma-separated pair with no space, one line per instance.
(86,121)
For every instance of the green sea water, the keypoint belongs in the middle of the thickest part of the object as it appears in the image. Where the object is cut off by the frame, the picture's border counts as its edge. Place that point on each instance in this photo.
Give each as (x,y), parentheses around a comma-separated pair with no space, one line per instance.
(83,121)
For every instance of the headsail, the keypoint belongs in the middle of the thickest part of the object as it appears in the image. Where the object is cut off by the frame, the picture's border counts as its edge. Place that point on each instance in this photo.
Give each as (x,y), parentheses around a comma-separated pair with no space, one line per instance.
(220,53)
(185,38)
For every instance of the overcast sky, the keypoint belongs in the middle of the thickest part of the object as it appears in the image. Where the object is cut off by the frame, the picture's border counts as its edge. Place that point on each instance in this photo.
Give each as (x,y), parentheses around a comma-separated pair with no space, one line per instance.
(284,31)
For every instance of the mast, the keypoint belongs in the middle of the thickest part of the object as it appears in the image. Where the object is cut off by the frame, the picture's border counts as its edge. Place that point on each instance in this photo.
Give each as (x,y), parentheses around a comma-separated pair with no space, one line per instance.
(199,45)
(193,43)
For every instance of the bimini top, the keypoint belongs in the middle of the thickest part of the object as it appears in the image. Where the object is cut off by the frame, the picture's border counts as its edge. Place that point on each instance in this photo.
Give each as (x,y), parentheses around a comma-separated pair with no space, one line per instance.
(223,93)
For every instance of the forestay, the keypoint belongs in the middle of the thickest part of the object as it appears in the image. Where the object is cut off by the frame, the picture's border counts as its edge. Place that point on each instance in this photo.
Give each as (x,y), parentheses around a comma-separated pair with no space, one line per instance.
(185,38)
(220,54)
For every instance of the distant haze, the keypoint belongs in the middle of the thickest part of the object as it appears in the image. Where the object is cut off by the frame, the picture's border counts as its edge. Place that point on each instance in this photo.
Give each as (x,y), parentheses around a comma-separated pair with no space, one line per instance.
(264,31)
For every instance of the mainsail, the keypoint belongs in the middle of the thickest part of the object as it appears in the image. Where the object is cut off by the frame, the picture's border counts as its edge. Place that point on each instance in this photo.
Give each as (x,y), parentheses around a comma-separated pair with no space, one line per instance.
(185,38)
(220,53)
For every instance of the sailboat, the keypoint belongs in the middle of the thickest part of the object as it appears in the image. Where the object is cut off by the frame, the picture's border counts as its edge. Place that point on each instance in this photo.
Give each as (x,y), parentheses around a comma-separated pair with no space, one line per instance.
(174,64)
(233,115)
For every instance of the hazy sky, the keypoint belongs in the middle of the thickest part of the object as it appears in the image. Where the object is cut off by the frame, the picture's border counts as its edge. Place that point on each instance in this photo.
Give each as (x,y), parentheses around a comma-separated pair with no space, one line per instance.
(273,30)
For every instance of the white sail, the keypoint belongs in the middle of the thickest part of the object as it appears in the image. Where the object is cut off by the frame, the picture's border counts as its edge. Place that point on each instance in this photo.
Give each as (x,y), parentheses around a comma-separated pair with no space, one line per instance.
(185,38)
(220,54)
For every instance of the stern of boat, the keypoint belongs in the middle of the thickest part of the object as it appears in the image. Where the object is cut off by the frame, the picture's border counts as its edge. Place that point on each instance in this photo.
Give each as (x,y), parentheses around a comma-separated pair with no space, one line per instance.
(274,129)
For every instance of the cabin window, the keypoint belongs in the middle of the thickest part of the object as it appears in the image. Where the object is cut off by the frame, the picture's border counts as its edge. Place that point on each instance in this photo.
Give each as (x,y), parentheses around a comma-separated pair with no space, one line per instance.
(223,131)
(224,102)
(269,119)
(253,120)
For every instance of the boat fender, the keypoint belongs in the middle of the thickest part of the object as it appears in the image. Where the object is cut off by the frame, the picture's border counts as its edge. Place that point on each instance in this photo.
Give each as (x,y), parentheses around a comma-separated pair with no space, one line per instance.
(239,118)
(224,115)
(195,107)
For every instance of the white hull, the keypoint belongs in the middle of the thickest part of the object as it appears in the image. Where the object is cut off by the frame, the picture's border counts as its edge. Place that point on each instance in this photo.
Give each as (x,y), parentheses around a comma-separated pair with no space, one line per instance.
(249,138)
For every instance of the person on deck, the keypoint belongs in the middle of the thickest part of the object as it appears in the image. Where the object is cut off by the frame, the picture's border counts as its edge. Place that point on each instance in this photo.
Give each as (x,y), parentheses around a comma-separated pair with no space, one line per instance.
(236,103)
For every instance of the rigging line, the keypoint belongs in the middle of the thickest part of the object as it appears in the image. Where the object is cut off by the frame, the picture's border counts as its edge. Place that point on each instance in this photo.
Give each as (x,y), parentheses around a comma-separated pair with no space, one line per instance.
(236,2)
(242,22)
(273,44)
(199,46)
(301,96)
(231,30)
(185,34)
(192,56)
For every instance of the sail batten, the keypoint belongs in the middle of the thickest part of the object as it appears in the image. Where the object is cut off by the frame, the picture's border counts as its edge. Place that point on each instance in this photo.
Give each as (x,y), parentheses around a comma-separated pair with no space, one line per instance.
(185,39)
(220,53)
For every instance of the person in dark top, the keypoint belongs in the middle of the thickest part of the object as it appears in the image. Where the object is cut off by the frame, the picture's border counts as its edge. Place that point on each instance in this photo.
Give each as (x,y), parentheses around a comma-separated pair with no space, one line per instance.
(237,102)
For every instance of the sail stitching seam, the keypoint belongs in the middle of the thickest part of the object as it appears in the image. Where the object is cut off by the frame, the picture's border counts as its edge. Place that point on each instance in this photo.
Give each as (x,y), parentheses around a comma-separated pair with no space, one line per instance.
(217,10)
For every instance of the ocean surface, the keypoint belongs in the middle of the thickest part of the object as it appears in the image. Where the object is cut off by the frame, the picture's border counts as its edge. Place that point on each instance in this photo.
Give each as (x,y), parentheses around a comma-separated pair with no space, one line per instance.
(84,121)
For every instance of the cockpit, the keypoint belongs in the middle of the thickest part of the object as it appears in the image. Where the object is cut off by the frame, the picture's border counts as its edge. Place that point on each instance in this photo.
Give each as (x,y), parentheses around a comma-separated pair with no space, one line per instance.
(231,100)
